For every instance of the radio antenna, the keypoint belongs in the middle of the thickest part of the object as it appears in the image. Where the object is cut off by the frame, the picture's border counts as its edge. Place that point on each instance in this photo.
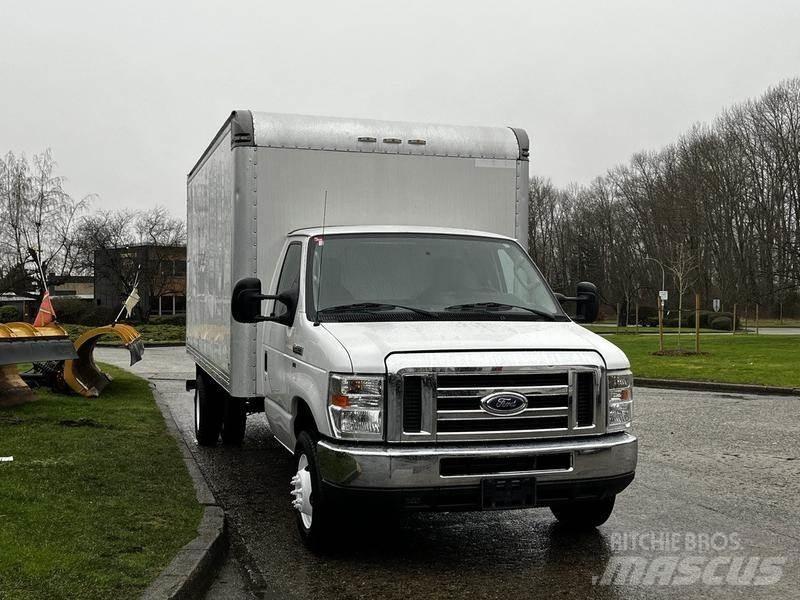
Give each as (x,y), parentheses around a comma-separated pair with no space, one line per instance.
(321,256)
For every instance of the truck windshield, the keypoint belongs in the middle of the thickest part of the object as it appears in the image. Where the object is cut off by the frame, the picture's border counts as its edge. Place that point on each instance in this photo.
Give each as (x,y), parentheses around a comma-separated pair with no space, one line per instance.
(368,277)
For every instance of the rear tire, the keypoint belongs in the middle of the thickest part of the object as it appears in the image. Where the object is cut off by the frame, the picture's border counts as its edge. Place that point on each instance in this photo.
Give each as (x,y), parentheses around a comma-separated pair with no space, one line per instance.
(208,404)
(312,509)
(234,421)
(582,515)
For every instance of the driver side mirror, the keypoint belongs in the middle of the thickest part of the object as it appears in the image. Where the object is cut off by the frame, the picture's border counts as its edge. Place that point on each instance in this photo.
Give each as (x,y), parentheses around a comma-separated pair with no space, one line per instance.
(246,303)
(587,304)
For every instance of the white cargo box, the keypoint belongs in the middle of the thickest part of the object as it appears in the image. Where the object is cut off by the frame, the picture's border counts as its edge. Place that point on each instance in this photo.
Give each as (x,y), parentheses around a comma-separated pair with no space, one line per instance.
(265,175)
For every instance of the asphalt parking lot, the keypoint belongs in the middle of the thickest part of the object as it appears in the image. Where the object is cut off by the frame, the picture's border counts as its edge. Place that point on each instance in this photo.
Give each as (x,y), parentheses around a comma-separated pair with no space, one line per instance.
(713,512)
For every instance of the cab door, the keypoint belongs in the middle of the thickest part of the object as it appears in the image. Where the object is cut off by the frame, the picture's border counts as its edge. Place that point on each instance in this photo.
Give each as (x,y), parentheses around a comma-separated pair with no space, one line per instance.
(278,348)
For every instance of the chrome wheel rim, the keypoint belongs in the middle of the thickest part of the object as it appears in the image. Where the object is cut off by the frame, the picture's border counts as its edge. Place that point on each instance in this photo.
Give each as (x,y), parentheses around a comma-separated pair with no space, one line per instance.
(301,492)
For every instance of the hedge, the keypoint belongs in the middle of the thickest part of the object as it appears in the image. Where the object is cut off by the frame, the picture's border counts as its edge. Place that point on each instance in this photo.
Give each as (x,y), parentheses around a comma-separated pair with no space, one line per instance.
(8,314)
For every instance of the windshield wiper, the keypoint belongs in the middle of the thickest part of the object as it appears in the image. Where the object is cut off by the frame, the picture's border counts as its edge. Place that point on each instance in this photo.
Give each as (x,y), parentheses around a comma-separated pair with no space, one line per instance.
(374,307)
(497,307)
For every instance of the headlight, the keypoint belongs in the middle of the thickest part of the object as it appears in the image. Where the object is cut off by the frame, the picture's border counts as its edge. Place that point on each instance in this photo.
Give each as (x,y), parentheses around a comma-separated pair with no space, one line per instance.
(355,405)
(620,400)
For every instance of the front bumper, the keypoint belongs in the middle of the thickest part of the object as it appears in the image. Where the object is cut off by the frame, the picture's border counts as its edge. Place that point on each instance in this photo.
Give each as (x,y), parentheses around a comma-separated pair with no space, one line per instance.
(580,462)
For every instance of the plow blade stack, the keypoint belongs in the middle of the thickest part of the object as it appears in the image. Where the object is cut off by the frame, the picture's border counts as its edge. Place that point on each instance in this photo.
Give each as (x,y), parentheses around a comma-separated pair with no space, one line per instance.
(81,373)
(23,343)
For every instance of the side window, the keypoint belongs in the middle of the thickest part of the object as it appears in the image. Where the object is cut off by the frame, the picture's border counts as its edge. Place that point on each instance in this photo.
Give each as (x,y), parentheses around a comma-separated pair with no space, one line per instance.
(290,272)
(289,280)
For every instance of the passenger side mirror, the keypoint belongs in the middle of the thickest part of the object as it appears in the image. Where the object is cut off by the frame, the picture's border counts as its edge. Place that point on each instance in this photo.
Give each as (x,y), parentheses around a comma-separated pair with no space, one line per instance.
(587,305)
(246,303)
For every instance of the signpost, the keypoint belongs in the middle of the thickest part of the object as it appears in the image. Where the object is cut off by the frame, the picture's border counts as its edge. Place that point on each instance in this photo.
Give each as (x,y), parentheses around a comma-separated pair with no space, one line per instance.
(697,323)
(663,295)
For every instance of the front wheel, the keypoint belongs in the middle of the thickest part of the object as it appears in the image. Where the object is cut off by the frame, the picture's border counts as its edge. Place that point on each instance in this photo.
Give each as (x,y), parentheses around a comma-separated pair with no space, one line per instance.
(314,519)
(584,514)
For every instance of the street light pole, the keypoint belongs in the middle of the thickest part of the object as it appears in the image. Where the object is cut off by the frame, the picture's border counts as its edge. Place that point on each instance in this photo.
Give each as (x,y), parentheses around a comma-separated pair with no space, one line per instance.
(660,304)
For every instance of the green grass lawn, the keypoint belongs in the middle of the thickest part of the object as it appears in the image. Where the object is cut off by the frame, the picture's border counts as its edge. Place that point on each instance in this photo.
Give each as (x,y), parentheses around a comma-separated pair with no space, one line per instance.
(751,322)
(646,330)
(97,500)
(758,359)
(151,332)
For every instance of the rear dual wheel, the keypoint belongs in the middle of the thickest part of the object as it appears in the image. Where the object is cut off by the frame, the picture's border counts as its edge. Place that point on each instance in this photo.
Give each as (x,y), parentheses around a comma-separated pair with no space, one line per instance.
(216,412)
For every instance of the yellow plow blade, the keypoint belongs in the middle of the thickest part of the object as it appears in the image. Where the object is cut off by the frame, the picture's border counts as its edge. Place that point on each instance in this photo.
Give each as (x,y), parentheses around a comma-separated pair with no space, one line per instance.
(22,343)
(82,374)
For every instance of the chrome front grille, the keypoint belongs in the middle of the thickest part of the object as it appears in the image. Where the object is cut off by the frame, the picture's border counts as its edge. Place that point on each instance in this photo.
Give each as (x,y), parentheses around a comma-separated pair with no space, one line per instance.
(459,412)
(444,404)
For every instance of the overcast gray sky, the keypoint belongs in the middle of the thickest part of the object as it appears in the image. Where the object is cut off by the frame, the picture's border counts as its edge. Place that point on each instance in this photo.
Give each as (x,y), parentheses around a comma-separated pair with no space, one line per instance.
(128,95)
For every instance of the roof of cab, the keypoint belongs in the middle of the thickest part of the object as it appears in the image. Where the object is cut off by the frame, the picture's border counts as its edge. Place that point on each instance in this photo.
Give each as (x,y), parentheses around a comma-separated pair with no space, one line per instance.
(412,229)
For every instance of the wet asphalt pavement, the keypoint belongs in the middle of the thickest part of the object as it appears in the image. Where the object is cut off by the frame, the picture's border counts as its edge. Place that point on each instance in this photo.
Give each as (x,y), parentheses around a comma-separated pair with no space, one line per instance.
(718,483)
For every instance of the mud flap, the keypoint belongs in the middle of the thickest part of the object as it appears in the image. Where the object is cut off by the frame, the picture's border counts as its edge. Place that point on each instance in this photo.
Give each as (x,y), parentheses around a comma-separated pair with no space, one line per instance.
(82,374)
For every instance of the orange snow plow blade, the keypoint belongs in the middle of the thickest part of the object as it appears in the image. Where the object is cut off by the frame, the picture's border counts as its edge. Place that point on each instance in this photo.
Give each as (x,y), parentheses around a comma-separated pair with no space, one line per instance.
(82,375)
(23,343)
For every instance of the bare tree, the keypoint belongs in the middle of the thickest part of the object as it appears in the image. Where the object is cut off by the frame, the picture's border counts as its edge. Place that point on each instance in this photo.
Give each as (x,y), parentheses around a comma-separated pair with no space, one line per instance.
(725,197)
(36,214)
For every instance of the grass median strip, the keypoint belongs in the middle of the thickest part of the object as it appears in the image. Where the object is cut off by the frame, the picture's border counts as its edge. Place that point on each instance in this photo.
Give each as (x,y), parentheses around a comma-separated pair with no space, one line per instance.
(97,500)
(754,359)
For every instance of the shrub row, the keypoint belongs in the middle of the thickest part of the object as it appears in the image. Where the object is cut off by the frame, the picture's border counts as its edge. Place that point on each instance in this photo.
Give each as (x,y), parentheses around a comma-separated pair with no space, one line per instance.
(82,312)
(708,320)
(8,314)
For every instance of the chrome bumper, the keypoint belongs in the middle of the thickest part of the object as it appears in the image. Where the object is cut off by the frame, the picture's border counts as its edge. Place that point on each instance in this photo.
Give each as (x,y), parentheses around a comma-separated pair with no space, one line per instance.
(354,466)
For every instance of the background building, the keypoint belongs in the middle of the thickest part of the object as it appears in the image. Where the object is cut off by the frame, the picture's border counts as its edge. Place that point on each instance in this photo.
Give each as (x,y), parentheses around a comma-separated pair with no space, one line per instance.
(162,278)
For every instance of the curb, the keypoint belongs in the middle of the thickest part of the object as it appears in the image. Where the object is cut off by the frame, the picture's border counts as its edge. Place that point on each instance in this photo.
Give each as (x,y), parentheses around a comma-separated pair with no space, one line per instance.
(193,567)
(711,386)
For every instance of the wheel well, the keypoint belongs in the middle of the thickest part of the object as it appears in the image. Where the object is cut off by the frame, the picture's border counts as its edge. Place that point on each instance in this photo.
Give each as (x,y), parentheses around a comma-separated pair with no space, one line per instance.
(304,418)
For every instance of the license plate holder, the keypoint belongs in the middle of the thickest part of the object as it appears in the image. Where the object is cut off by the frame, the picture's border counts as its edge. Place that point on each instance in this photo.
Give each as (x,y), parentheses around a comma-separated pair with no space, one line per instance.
(512,492)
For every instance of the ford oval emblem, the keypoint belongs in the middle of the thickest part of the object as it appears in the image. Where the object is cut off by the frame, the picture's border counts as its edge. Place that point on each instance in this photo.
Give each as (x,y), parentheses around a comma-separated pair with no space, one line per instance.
(504,403)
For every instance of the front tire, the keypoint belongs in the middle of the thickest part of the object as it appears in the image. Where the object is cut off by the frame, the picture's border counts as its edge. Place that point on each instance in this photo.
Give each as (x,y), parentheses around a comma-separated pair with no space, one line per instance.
(207,410)
(584,514)
(312,510)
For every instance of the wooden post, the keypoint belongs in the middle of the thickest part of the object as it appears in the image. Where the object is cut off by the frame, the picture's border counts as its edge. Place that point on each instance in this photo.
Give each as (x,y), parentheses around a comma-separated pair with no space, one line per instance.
(618,318)
(780,318)
(756,319)
(697,323)
(660,325)
(733,326)
(637,316)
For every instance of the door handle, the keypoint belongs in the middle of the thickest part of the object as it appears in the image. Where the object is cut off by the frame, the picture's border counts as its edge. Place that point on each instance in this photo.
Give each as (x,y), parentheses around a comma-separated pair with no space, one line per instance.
(297,349)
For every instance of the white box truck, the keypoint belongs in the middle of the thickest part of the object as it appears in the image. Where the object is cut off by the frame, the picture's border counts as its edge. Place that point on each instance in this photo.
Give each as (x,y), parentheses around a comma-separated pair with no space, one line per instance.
(366,284)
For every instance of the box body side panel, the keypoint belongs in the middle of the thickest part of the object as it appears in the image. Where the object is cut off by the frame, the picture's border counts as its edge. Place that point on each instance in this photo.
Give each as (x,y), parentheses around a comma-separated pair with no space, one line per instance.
(210,214)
